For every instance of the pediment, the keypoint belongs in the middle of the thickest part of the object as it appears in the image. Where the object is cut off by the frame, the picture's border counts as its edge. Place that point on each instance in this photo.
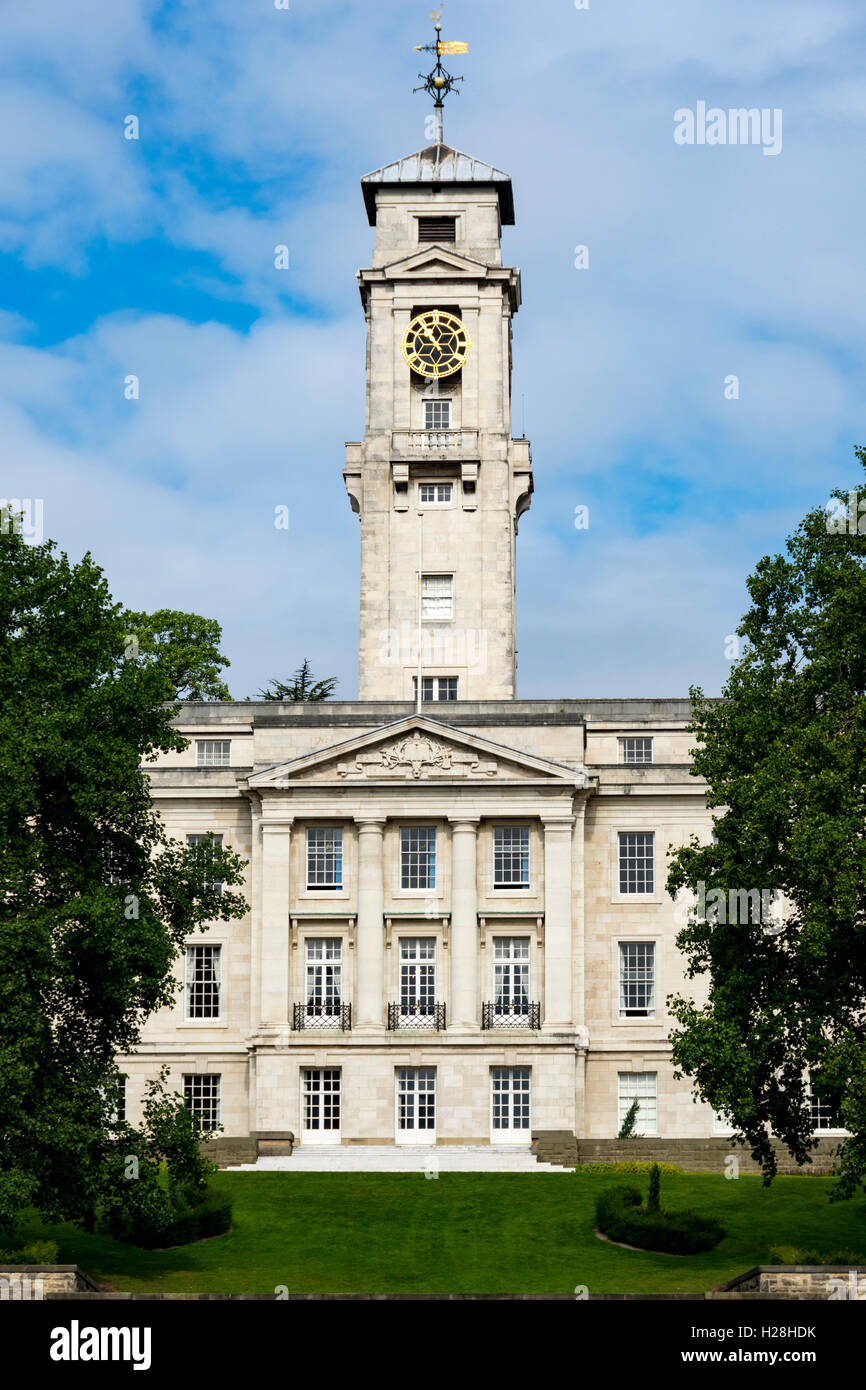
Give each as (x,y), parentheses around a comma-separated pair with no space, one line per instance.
(418,749)
(436,259)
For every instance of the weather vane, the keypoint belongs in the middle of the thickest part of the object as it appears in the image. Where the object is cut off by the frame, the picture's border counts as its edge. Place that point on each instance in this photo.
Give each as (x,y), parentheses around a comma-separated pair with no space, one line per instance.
(439,82)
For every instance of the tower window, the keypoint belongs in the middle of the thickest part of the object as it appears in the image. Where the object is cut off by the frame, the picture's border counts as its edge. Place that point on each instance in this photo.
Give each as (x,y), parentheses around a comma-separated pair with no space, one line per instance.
(437,229)
(437,687)
(437,597)
(434,494)
(437,415)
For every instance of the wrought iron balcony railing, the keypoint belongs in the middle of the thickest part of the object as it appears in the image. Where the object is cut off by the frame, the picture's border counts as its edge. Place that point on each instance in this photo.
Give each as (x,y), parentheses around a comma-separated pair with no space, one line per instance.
(511,1016)
(416,1016)
(335,1018)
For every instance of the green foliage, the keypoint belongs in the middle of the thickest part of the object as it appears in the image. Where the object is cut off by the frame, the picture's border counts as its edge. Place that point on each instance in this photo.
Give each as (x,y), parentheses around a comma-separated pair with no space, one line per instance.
(626,1129)
(155,1178)
(620,1216)
(783,757)
(794,1255)
(302,686)
(36,1252)
(163,1228)
(184,648)
(95,901)
(653,1201)
(631,1166)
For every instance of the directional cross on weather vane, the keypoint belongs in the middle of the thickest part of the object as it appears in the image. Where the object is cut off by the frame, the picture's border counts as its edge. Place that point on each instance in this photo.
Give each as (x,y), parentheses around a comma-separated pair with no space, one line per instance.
(439,82)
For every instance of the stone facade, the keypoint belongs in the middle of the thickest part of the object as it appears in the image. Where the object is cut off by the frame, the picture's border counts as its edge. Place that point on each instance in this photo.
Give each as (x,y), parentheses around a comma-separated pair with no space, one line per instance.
(484,992)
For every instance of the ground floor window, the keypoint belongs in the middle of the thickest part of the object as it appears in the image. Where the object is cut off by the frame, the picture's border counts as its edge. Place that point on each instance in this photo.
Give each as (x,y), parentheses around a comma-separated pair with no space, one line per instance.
(201,1091)
(416,1099)
(322,1099)
(510,1093)
(641,1086)
(824,1108)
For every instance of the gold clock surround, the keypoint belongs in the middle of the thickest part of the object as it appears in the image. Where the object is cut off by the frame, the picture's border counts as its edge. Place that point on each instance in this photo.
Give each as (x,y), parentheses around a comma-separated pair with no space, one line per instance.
(436,344)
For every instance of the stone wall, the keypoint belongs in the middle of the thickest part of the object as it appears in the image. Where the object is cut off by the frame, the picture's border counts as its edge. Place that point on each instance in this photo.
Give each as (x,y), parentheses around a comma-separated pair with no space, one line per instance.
(28,1283)
(838,1282)
(695,1155)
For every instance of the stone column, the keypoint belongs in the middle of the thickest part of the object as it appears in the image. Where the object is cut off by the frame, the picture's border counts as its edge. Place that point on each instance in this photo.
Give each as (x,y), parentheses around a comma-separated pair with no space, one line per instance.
(464,924)
(558,1009)
(274,976)
(370,935)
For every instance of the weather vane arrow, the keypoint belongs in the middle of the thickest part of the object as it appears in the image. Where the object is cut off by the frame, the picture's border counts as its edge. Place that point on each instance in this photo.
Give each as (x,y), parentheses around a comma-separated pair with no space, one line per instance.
(439,82)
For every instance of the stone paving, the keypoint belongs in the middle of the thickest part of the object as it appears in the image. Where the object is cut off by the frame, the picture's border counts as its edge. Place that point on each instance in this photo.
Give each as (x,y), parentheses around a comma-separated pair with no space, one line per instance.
(420,1158)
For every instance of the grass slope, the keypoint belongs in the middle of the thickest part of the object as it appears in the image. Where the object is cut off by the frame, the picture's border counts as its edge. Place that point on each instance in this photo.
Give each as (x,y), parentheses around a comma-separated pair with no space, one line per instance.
(462,1233)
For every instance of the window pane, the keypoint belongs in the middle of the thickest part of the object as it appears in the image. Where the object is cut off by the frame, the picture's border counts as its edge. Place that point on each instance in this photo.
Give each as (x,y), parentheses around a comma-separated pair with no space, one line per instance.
(636,862)
(322,1098)
(437,601)
(213,752)
(511,975)
(205,855)
(511,856)
(437,416)
(418,856)
(202,1095)
(203,981)
(636,978)
(324,995)
(324,857)
(418,976)
(636,750)
(640,1086)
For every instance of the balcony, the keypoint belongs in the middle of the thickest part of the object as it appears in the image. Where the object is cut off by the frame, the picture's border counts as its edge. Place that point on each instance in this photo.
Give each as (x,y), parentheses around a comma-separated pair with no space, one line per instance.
(422,444)
(328,1018)
(496,1016)
(429,1018)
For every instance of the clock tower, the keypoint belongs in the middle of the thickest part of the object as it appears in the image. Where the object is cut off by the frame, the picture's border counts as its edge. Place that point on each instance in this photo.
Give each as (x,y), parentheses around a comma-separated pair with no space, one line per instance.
(437,481)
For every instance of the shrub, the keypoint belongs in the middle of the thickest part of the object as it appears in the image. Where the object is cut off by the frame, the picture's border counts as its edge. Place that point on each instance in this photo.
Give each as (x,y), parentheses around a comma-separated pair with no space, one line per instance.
(793,1255)
(632,1165)
(157,1226)
(620,1215)
(38,1252)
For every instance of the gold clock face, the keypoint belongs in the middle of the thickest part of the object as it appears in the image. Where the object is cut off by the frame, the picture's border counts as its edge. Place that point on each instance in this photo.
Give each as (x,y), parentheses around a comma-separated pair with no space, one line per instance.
(436,343)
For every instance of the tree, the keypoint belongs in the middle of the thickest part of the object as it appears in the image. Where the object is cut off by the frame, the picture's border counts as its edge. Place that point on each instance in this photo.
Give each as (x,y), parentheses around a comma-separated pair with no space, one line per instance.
(95,900)
(784,755)
(302,686)
(653,1201)
(629,1120)
(185,647)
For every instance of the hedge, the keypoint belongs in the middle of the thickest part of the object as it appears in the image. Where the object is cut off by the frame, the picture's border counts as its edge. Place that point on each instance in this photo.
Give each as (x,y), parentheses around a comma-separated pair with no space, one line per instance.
(211,1217)
(38,1252)
(633,1165)
(794,1255)
(620,1216)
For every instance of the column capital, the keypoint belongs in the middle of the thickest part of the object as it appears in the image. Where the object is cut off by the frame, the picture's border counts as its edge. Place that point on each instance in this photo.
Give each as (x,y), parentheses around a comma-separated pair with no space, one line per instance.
(277,822)
(375,823)
(464,822)
(557,822)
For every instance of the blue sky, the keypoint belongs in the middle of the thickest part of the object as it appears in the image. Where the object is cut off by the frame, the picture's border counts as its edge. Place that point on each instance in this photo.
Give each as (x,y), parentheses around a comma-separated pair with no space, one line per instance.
(155,258)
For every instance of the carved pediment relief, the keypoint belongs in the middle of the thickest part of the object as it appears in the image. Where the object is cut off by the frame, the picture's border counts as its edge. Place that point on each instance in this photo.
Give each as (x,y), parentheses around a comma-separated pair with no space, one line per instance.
(417,756)
(417,749)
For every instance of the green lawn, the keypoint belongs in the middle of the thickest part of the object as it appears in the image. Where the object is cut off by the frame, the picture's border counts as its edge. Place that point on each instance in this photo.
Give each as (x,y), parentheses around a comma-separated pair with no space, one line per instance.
(463,1233)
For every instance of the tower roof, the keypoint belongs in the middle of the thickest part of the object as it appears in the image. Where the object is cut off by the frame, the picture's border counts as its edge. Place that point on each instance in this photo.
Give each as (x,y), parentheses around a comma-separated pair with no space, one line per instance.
(436,165)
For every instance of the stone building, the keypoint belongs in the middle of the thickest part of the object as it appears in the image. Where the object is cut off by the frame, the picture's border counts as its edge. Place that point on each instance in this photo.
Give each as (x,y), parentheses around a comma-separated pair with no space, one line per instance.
(458,928)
